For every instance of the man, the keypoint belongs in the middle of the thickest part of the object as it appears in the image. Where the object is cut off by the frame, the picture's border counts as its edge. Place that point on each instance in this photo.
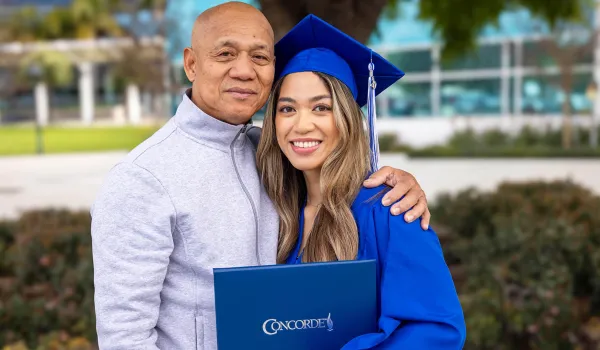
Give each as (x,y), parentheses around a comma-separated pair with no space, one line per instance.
(188,199)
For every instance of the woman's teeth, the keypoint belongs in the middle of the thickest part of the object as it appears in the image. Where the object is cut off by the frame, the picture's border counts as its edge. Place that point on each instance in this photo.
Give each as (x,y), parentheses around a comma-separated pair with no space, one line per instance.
(306,144)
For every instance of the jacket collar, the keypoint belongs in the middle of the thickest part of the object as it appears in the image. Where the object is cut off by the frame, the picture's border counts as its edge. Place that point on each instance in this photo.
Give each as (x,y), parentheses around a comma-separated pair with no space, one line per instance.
(204,128)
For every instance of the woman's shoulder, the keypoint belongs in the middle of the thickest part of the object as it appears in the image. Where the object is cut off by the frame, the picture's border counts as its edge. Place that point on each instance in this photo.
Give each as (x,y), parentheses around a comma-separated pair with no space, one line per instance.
(369,199)
(368,206)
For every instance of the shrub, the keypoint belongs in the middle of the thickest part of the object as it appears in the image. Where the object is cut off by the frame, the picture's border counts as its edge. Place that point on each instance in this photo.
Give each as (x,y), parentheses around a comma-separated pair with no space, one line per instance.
(46,281)
(526,260)
(387,142)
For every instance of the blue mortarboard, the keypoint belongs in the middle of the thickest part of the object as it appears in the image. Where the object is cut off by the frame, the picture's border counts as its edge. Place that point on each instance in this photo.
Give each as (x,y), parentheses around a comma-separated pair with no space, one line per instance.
(314,45)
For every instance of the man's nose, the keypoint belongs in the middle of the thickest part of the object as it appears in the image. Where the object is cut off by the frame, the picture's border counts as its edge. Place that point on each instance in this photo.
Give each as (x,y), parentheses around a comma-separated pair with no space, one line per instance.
(243,68)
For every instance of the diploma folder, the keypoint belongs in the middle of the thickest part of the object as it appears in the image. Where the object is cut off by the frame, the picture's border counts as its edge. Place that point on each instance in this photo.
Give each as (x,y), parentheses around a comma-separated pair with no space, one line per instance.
(295,307)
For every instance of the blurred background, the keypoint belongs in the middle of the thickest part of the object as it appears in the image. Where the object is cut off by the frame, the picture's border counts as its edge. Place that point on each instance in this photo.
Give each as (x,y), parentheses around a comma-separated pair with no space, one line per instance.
(497,117)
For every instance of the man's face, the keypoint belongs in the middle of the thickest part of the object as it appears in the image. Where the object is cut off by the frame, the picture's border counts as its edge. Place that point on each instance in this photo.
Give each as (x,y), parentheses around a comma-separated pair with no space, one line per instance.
(232,66)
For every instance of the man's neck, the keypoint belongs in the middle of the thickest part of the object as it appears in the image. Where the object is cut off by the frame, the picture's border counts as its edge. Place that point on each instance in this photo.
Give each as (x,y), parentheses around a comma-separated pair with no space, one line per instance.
(212,112)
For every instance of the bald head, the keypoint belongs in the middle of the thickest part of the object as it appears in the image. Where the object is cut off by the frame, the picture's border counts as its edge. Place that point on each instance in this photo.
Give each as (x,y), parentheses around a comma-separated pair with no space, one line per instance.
(227,12)
(231,61)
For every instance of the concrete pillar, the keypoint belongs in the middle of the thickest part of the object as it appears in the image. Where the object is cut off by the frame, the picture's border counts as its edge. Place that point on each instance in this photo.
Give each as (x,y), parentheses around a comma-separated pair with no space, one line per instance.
(42,104)
(518,78)
(86,92)
(596,106)
(436,80)
(505,80)
(134,104)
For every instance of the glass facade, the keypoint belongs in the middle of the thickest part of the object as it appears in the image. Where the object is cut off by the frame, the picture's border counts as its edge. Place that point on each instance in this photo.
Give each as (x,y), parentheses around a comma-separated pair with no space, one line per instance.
(408,99)
(512,70)
(509,76)
(485,57)
(469,97)
(543,94)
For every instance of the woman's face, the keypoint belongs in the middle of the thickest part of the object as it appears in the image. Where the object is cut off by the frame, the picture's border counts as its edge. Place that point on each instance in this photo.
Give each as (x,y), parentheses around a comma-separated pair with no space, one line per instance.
(304,121)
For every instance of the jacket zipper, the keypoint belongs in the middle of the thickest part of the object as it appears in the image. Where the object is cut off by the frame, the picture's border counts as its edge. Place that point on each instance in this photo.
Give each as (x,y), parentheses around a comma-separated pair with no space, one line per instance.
(254,211)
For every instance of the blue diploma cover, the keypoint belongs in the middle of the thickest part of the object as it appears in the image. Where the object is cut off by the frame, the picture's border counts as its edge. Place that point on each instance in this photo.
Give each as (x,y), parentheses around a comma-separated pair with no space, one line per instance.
(306,306)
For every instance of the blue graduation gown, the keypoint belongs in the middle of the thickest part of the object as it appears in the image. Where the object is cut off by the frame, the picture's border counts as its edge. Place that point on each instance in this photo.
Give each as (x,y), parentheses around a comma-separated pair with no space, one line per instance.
(418,304)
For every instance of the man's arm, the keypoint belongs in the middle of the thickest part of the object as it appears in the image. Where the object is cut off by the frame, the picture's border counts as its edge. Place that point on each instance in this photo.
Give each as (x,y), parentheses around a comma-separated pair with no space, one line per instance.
(404,185)
(132,221)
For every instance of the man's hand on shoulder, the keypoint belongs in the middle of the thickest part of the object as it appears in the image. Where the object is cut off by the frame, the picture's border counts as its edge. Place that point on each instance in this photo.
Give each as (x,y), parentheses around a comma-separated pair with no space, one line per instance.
(405,185)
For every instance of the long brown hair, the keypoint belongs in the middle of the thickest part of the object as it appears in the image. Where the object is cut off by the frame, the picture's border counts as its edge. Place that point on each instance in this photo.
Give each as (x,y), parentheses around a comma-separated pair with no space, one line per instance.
(334,235)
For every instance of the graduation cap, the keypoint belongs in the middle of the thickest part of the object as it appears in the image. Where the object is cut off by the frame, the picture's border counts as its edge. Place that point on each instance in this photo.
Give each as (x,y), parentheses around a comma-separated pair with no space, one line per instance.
(314,45)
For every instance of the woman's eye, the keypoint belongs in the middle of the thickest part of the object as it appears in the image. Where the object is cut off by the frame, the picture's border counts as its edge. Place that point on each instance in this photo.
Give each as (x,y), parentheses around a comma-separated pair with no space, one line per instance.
(286,109)
(322,108)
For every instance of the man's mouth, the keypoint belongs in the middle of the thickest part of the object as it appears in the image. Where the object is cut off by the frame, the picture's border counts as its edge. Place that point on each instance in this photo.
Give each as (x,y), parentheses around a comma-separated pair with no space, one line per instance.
(240,93)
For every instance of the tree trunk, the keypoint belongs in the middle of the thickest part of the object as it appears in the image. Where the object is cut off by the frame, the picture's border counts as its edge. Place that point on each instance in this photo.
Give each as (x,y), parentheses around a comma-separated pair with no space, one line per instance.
(567,127)
(354,17)
(566,82)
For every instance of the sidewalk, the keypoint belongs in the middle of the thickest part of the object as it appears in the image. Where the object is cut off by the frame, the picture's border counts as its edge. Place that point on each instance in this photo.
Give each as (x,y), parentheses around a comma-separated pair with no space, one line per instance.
(71,181)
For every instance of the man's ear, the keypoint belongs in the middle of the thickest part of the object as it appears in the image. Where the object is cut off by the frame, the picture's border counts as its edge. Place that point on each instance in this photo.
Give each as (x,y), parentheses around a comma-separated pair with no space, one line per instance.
(189,63)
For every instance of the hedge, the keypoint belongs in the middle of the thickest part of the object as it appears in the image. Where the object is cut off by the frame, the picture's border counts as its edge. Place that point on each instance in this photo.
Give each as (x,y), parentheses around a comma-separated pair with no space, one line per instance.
(527,143)
(46,282)
(525,259)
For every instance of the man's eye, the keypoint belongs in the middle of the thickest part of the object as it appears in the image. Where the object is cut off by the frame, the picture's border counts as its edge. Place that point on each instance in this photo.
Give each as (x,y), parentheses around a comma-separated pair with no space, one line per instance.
(225,54)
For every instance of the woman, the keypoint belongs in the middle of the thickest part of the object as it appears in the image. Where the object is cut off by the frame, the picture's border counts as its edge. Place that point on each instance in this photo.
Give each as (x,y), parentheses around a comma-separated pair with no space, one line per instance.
(314,177)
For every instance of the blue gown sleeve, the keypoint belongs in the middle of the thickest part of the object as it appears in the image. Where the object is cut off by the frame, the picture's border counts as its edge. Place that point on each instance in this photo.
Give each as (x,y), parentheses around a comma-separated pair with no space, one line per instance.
(420,308)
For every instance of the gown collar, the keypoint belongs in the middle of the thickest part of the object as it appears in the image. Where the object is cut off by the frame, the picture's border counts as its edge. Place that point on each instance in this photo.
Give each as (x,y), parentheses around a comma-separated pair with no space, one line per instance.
(296,256)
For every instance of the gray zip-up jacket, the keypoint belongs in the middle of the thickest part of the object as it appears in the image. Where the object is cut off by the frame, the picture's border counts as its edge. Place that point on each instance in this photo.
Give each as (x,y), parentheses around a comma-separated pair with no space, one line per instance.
(185,201)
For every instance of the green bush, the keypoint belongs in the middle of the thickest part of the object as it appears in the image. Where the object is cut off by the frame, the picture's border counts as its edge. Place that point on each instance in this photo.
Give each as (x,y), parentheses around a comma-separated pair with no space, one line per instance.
(46,281)
(387,142)
(503,152)
(526,260)
(494,143)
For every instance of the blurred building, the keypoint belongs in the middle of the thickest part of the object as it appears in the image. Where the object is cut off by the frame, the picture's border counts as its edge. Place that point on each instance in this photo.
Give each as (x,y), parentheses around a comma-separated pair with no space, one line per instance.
(509,80)
(96,90)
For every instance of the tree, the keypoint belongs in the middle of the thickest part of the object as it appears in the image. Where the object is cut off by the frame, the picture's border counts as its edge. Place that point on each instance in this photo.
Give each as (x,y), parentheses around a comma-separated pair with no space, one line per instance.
(566,55)
(83,19)
(564,46)
(357,18)
(456,22)
(138,64)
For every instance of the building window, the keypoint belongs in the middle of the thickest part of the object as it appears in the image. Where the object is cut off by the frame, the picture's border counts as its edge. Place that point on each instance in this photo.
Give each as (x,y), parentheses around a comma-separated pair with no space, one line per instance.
(544,95)
(470,97)
(418,61)
(538,54)
(484,57)
(408,99)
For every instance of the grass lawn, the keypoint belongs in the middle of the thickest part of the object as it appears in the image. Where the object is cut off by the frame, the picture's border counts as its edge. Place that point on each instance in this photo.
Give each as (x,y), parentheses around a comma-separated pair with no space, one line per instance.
(22,140)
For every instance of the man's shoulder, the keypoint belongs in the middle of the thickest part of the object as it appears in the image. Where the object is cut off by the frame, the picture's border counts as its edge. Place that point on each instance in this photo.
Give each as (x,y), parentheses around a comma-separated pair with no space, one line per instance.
(138,160)
(155,141)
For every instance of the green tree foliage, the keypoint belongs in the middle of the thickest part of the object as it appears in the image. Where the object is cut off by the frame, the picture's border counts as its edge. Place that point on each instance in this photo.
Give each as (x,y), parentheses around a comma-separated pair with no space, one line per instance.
(456,22)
